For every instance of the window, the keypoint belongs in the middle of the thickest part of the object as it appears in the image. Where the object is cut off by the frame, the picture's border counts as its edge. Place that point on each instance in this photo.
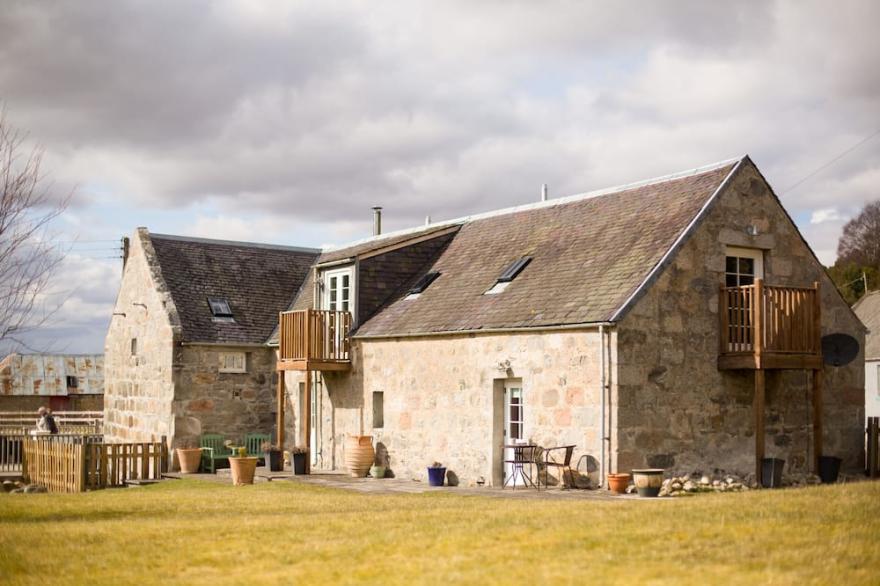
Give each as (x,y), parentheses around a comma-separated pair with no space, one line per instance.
(134,346)
(338,290)
(877,380)
(72,382)
(220,308)
(509,274)
(378,409)
(743,266)
(233,362)
(424,282)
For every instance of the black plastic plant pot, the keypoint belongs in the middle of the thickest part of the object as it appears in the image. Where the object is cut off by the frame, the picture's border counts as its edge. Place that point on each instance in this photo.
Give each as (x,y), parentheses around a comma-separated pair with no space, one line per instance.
(274,460)
(829,469)
(771,472)
(299,463)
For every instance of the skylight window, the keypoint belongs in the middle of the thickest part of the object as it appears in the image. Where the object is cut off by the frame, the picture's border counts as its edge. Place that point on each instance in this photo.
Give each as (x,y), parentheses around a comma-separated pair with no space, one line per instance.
(220,308)
(424,283)
(509,274)
(514,269)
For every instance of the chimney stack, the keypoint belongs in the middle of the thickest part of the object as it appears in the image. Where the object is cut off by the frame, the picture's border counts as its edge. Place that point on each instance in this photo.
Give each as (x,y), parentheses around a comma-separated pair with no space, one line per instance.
(377,220)
(543,192)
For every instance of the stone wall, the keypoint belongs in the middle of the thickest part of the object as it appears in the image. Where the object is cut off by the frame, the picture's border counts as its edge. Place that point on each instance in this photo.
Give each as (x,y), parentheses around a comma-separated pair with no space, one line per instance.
(139,387)
(675,408)
(442,399)
(232,404)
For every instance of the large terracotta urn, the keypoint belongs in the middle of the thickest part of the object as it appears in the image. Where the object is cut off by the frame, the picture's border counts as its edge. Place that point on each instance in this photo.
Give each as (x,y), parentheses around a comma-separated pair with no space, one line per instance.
(189,459)
(359,454)
(243,470)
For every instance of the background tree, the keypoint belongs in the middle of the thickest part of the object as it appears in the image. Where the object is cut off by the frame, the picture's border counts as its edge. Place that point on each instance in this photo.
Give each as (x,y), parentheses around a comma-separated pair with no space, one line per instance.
(860,242)
(858,255)
(28,256)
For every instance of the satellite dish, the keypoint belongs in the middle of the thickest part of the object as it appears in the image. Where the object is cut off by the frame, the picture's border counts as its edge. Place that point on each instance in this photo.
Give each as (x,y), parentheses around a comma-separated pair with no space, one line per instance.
(839,349)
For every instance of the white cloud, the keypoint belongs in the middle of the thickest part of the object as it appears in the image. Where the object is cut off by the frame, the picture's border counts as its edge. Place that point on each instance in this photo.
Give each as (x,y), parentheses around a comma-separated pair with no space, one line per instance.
(825,215)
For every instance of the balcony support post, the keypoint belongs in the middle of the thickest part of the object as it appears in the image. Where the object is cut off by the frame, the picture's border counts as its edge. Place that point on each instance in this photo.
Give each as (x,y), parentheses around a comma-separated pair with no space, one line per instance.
(817,418)
(307,421)
(759,424)
(279,416)
(758,322)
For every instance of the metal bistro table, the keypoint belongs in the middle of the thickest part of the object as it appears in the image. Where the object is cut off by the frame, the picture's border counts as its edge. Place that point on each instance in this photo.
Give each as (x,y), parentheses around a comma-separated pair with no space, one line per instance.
(523,455)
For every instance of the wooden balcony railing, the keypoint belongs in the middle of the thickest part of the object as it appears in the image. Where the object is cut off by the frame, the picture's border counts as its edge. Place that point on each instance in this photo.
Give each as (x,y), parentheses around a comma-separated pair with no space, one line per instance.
(770,327)
(315,339)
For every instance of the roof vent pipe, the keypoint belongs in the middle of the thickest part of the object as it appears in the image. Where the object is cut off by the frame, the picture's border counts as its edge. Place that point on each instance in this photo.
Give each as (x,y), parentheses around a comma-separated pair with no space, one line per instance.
(543,192)
(428,220)
(377,220)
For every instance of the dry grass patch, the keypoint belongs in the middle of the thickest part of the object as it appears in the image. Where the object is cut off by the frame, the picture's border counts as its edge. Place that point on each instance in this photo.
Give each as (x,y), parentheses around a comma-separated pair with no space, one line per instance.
(203,533)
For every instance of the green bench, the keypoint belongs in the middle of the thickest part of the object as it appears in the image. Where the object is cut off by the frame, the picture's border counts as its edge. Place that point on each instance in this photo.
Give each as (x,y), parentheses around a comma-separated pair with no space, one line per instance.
(254,444)
(216,455)
(213,452)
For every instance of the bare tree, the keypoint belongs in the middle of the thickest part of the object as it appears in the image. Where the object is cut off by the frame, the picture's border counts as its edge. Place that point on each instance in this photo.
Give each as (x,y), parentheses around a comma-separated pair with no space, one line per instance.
(860,242)
(28,257)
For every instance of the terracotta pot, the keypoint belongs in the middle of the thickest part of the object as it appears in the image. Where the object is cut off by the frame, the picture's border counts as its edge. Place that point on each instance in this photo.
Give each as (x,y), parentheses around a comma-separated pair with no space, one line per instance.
(189,459)
(617,483)
(648,481)
(243,470)
(359,454)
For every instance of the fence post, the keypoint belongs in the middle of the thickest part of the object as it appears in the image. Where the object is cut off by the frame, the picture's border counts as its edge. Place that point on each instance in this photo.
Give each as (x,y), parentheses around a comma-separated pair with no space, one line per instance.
(82,477)
(163,458)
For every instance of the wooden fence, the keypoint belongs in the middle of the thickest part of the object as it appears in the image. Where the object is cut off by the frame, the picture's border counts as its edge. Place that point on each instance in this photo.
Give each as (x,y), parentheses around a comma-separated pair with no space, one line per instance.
(872,447)
(78,466)
(12,445)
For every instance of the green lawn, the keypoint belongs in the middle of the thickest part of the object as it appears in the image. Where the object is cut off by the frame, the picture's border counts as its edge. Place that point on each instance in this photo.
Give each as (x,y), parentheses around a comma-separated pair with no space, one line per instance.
(203,533)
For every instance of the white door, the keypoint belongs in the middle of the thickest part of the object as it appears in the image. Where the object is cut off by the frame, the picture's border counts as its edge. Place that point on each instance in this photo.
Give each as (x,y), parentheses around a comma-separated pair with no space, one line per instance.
(338,290)
(513,425)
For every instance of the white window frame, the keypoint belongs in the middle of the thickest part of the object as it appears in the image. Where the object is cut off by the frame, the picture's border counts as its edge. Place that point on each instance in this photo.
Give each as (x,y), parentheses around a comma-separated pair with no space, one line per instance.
(233,362)
(326,279)
(756,254)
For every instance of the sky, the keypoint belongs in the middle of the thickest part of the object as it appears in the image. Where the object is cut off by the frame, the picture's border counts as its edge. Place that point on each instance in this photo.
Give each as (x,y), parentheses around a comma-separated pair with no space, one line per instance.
(284,122)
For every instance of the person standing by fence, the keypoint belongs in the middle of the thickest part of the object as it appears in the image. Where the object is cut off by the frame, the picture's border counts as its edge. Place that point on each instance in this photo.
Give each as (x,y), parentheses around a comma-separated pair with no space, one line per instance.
(46,422)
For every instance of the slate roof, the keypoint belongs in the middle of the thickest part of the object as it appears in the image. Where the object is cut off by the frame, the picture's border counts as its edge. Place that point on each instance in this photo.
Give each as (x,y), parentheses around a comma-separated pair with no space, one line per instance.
(868,310)
(257,280)
(590,254)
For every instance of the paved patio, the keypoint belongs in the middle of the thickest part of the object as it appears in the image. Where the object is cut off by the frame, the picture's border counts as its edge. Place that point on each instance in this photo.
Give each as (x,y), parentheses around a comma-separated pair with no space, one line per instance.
(342,480)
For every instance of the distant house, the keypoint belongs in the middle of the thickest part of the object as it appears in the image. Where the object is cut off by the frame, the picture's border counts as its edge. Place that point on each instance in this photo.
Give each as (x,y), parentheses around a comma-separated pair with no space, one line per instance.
(186,352)
(868,310)
(673,323)
(63,382)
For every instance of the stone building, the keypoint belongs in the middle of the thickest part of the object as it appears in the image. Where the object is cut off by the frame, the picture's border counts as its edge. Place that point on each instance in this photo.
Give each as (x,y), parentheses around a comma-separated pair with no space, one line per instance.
(63,382)
(624,322)
(868,310)
(185,352)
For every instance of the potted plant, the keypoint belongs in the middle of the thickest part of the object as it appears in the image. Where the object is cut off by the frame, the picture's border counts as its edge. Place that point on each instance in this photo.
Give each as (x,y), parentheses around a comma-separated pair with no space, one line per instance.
(299,455)
(273,456)
(436,474)
(648,481)
(617,483)
(242,466)
(189,456)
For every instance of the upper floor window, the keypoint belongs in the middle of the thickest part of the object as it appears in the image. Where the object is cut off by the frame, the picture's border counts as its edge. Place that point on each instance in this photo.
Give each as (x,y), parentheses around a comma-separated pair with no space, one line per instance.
(72,382)
(338,290)
(742,266)
(234,362)
(509,274)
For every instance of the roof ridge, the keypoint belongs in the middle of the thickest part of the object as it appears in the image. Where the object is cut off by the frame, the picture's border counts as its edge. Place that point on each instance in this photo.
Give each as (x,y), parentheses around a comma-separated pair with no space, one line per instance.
(234,243)
(542,204)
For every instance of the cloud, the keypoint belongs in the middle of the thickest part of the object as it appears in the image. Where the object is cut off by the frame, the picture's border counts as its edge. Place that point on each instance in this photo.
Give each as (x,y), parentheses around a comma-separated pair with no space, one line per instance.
(825,215)
(289,120)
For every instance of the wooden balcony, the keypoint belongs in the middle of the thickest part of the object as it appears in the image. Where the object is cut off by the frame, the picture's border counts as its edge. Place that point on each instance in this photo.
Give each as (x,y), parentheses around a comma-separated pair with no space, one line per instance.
(768,327)
(314,339)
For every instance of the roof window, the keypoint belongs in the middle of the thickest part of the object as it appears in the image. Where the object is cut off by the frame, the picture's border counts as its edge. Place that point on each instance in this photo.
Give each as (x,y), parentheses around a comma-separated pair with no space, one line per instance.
(220,308)
(424,283)
(509,274)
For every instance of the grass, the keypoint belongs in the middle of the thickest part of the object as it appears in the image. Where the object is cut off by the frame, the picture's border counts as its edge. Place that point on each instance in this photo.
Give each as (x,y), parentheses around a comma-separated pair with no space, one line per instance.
(203,533)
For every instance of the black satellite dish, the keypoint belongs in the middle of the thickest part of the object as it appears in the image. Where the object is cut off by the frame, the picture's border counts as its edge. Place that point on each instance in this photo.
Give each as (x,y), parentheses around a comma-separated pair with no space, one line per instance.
(839,349)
